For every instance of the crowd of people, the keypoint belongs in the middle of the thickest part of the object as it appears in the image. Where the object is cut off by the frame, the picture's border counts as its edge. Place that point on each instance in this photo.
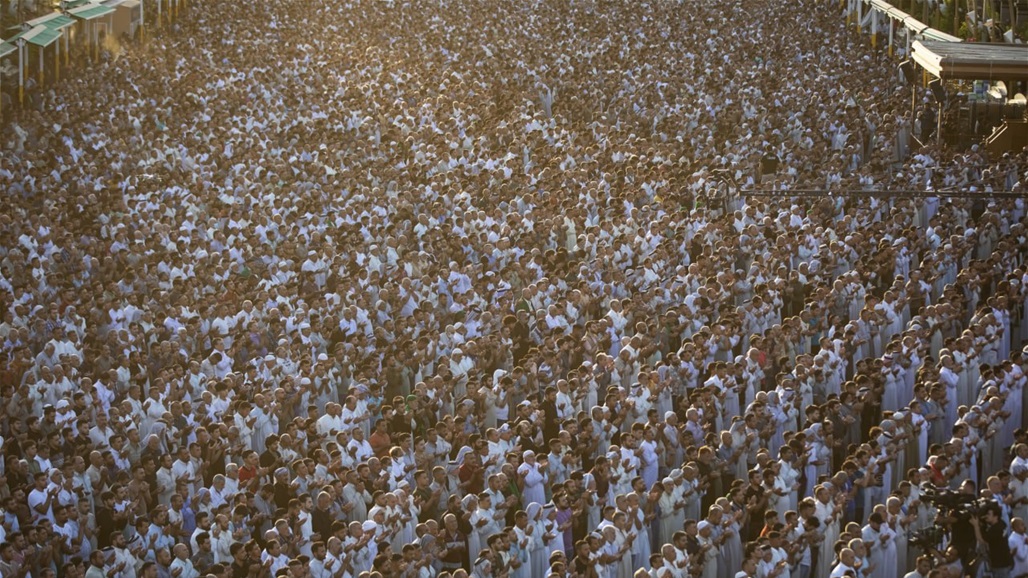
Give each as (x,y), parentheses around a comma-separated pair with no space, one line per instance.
(423,289)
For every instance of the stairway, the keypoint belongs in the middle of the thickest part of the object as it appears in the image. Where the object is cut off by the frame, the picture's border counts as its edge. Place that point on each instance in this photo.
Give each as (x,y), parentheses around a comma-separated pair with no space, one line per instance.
(1012,135)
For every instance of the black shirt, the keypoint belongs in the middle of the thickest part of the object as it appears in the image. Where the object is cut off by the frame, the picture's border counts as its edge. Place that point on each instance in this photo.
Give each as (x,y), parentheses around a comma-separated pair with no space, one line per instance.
(283,493)
(999,549)
(425,494)
(456,547)
(755,519)
(269,459)
(768,164)
(321,523)
(583,568)
(962,536)
(692,545)
(551,424)
(105,526)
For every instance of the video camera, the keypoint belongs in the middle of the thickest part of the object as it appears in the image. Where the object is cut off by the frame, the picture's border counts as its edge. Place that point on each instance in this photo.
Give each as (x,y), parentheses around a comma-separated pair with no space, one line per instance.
(927,538)
(953,503)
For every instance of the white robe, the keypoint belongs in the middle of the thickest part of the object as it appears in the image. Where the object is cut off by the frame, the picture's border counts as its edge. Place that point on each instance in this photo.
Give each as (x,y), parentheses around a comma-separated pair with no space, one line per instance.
(535,484)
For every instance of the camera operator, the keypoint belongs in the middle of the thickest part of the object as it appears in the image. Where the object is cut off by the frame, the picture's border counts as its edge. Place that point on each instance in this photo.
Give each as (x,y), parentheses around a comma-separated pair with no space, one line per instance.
(988,531)
(962,534)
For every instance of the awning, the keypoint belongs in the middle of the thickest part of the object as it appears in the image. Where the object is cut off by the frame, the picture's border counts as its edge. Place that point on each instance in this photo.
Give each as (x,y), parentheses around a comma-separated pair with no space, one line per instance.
(914,24)
(933,34)
(41,36)
(53,21)
(972,60)
(70,4)
(90,11)
(896,14)
(6,49)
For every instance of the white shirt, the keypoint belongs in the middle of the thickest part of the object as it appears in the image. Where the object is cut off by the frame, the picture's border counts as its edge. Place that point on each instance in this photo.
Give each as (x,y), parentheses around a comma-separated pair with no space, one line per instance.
(188,571)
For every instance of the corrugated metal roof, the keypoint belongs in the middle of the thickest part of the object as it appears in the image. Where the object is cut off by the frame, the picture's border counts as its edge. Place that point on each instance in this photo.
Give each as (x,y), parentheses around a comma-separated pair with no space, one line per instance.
(933,34)
(42,36)
(90,11)
(59,23)
(972,60)
(53,21)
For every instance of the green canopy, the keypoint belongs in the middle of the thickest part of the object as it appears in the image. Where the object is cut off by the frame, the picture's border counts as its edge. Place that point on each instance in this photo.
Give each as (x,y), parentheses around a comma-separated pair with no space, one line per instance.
(90,11)
(42,36)
(59,22)
(6,49)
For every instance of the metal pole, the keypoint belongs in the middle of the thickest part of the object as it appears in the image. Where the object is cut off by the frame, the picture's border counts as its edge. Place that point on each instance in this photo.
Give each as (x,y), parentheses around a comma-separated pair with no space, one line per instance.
(913,103)
(892,31)
(21,72)
(874,28)
(888,193)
